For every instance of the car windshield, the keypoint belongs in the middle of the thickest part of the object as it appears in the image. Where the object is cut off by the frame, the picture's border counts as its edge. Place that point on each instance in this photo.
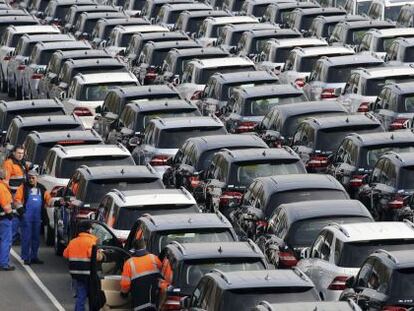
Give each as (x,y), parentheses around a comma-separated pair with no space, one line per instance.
(148,116)
(97,92)
(96,189)
(246,172)
(246,299)
(303,232)
(353,254)
(371,156)
(374,86)
(339,74)
(127,216)
(329,139)
(261,106)
(206,73)
(195,236)
(402,283)
(408,103)
(174,138)
(307,63)
(392,12)
(194,270)
(65,167)
(292,196)
(355,36)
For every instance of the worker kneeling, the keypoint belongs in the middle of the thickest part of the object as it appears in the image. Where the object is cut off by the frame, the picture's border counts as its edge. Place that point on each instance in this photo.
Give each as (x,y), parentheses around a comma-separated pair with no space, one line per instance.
(140,277)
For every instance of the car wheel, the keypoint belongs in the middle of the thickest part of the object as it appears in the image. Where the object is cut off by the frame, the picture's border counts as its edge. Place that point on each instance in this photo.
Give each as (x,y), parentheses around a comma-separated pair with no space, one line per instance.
(48,234)
(57,244)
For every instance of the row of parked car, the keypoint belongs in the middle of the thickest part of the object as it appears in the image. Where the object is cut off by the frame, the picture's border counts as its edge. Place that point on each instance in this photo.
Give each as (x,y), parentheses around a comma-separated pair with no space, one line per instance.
(271,137)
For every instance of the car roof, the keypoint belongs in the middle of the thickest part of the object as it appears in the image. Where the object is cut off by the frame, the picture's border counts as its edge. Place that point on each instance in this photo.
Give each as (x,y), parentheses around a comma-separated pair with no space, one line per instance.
(279,183)
(392,32)
(17,105)
(371,231)
(37,120)
(324,50)
(298,41)
(62,44)
(323,208)
(349,305)
(99,15)
(151,197)
(267,90)
(387,138)
(18,18)
(252,154)
(352,59)
(245,76)
(82,53)
(309,107)
(118,171)
(295,4)
(48,38)
(260,279)
(34,29)
(94,62)
(174,35)
(217,250)
(68,2)
(199,51)
(140,28)
(91,150)
(339,18)
(401,259)
(403,158)
(141,90)
(223,61)
(164,105)
(351,120)
(268,32)
(401,88)
(102,77)
(367,23)
(246,27)
(122,21)
(186,221)
(62,137)
(232,19)
(182,122)
(227,141)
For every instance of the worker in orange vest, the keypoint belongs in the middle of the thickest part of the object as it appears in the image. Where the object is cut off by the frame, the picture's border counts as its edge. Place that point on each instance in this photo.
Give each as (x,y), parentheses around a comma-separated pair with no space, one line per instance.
(140,277)
(79,252)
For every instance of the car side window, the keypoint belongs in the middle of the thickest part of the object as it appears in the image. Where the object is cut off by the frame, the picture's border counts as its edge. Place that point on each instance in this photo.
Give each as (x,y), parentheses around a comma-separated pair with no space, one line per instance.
(379,277)
(393,102)
(306,136)
(389,174)
(351,154)
(365,43)
(317,245)
(376,173)
(326,246)
(364,274)
(336,35)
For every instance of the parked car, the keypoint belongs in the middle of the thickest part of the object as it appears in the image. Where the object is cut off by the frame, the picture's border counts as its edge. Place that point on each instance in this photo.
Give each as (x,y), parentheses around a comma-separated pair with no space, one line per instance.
(386,9)
(308,306)
(190,21)
(400,50)
(323,26)
(278,12)
(169,12)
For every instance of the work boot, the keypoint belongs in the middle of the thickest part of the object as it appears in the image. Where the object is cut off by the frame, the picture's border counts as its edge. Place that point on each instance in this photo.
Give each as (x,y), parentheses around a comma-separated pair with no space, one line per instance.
(37,261)
(26,262)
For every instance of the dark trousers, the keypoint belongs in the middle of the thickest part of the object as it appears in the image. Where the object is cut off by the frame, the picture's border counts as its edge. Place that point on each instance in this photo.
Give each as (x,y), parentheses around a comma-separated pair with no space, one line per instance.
(5,241)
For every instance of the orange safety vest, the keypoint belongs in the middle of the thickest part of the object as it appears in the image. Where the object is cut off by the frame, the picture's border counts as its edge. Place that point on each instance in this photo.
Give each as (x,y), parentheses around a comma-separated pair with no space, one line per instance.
(5,197)
(15,174)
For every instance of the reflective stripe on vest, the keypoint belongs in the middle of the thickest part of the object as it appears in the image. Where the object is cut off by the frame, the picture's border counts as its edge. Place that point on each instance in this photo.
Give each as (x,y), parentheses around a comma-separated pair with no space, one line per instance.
(135,275)
(79,266)
(15,182)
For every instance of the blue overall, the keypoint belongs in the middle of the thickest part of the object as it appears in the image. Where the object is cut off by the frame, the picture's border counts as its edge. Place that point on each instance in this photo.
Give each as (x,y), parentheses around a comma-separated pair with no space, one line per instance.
(5,241)
(31,225)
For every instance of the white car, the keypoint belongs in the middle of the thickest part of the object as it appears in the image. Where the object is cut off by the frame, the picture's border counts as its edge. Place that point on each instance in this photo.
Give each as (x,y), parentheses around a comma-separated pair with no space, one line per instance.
(386,9)
(340,249)
(88,91)
(125,207)
(61,163)
(198,72)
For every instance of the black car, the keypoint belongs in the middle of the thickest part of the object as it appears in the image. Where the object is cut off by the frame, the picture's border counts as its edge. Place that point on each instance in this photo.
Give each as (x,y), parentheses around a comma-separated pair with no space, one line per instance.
(308,306)
(218,88)
(175,61)
(190,21)
(56,10)
(278,12)
(294,226)
(194,157)
(357,155)
(318,137)
(394,106)
(232,171)
(79,203)
(153,7)
(116,100)
(238,290)
(248,105)
(152,57)
(385,281)
(351,33)
(37,144)
(169,12)
(137,114)
(301,18)
(390,185)
(323,26)
(190,261)
(280,124)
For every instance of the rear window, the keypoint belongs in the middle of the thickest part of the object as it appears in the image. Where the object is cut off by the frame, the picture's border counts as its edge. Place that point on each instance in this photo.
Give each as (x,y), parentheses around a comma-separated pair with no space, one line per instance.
(374,86)
(174,138)
(408,55)
(97,92)
(45,128)
(148,116)
(206,73)
(370,156)
(402,284)
(66,167)
(262,106)
(406,179)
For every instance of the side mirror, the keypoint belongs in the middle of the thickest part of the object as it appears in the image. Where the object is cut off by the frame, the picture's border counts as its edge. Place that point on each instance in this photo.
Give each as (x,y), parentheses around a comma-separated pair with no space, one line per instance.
(62,96)
(98,109)
(102,44)
(350,282)
(305,253)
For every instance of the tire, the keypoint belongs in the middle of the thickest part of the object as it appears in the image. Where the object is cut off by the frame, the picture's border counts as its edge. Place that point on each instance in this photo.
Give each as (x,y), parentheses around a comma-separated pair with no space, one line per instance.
(48,235)
(56,241)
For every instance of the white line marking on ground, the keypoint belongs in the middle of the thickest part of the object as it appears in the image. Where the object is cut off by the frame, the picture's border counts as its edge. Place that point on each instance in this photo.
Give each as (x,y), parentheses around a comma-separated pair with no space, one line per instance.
(38,282)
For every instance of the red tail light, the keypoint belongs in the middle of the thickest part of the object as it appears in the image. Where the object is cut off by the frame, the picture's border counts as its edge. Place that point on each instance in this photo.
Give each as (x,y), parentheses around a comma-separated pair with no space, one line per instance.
(357,181)
(21,67)
(159,160)
(194,181)
(82,112)
(300,82)
(364,107)
(172,303)
(246,126)
(7,58)
(399,124)
(338,283)
(397,203)
(228,197)
(196,95)
(261,225)
(70,142)
(37,76)
(55,190)
(287,259)
(394,308)
(151,73)
(328,93)
(317,161)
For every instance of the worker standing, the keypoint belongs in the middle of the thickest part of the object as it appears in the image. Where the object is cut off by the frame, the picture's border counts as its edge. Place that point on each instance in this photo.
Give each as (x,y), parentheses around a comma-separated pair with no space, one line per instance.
(15,174)
(79,252)
(32,197)
(140,277)
(6,216)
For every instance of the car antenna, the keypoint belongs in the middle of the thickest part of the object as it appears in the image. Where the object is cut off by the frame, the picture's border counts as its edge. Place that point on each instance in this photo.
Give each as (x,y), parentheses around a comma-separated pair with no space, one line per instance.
(49,119)
(122,172)
(264,153)
(33,103)
(68,136)
(220,249)
(347,120)
(392,136)
(267,277)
